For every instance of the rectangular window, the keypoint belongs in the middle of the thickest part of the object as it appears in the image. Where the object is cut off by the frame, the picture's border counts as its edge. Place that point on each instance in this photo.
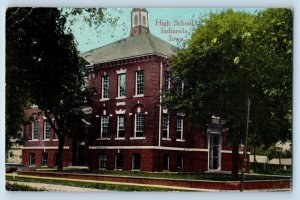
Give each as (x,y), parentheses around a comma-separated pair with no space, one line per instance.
(167,81)
(121,126)
(35,129)
(105,87)
(179,127)
(165,126)
(103,161)
(136,161)
(139,82)
(44,159)
(104,126)
(166,162)
(32,159)
(139,125)
(121,85)
(55,134)
(179,162)
(119,161)
(47,129)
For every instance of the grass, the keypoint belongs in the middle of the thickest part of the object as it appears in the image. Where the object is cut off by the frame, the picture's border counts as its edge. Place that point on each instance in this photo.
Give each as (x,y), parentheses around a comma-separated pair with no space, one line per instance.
(90,184)
(190,176)
(18,187)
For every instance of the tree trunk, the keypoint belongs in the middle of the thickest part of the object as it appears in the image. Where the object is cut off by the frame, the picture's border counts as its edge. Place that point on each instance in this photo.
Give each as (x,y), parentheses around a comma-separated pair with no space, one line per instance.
(60,153)
(235,155)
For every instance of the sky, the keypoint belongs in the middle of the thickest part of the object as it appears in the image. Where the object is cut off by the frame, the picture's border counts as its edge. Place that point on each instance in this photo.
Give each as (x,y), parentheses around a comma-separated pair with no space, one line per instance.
(162,21)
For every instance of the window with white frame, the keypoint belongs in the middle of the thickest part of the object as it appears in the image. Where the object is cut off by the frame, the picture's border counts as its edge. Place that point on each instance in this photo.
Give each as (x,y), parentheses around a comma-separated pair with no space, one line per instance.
(47,129)
(104,126)
(44,159)
(139,125)
(32,159)
(179,127)
(121,85)
(139,82)
(121,126)
(165,126)
(167,81)
(103,161)
(55,137)
(35,129)
(105,87)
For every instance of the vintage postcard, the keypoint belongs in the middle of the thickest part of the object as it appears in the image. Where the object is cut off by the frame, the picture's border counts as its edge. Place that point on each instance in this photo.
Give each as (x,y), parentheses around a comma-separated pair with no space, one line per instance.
(148,99)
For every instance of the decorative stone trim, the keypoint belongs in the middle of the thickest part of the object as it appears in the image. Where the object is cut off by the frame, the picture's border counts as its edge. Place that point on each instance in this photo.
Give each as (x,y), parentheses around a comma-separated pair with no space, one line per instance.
(121,71)
(149,147)
(138,95)
(137,138)
(105,99)
(44,147)
(103,139)
(120,104)
(120,138)
(120,111)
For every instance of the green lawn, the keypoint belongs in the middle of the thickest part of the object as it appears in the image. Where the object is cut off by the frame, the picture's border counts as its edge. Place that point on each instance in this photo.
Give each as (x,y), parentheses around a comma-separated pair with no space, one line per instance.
(191,176)
(91,184)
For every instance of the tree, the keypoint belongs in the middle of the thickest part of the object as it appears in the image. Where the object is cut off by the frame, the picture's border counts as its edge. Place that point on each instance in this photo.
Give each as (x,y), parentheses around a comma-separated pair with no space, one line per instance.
(223,65)
(43,67)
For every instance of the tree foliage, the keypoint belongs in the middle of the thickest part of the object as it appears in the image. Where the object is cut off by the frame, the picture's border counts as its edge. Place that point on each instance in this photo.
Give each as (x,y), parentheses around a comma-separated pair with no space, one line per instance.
(43,67)
(233,56)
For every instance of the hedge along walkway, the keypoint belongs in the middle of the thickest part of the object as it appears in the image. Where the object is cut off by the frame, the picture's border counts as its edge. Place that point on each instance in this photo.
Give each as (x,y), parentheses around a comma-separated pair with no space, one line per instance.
(11,177)
(56,188)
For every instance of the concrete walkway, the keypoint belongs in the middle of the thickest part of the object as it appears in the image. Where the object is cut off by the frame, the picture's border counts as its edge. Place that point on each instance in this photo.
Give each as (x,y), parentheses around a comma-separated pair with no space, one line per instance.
(57,188)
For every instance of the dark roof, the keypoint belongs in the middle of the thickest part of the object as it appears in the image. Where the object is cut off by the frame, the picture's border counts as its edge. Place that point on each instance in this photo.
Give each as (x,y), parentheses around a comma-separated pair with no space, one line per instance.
(139,45)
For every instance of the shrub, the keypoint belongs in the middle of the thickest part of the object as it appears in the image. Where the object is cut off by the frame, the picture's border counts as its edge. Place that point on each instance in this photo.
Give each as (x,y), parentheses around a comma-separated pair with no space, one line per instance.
(18,187)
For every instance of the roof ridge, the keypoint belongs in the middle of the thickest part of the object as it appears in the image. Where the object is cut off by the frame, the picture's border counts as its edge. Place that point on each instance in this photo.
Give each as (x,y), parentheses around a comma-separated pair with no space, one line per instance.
(151,42)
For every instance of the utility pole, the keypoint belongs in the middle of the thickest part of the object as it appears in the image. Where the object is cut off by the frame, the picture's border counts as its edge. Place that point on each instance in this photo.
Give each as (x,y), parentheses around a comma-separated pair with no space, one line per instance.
(245,149)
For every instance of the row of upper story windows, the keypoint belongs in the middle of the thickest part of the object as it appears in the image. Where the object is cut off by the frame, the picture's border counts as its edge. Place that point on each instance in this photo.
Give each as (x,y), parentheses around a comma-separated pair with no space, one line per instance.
(139,84)
(35,134)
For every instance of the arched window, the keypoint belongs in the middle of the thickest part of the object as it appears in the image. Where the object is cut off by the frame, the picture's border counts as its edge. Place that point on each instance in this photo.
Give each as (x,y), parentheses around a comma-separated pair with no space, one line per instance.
(138,111)
(104,132)
(144,20)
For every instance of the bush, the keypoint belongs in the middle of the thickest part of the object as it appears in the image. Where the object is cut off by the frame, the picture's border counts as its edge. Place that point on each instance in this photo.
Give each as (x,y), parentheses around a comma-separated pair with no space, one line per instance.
(17,187)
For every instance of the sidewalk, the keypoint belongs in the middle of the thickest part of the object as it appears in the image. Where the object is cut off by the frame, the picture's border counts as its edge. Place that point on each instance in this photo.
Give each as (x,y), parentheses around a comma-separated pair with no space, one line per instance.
(57,188)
